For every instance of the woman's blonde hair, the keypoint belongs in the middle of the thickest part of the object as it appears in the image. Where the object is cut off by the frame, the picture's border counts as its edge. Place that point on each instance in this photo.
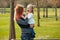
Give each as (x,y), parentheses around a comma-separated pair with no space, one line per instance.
(18,11)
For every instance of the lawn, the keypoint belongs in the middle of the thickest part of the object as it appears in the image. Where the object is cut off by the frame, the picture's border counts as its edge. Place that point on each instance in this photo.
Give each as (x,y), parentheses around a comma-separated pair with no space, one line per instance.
(49,27)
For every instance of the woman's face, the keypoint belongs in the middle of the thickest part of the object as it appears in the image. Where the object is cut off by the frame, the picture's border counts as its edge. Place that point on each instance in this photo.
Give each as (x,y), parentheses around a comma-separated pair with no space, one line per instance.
(20,10)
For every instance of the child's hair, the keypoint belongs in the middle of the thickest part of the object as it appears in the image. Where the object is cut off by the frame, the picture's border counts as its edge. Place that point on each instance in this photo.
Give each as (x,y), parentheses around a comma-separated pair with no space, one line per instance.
(30,5)
(18,11)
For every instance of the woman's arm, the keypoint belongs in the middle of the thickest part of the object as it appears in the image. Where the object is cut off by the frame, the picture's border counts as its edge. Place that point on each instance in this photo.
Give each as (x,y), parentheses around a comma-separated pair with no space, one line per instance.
(15,15)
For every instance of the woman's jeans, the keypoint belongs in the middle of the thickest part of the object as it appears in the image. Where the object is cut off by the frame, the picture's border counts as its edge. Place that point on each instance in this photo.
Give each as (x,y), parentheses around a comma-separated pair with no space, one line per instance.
(32,32)
(26,34)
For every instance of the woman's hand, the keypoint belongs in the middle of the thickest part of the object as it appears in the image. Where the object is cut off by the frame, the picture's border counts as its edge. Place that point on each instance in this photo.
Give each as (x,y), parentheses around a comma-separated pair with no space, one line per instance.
(24,17)
(31,25)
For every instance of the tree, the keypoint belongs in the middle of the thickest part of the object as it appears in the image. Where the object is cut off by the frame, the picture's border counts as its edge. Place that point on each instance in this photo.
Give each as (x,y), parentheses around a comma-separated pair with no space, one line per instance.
(3,5)
(44,5)
(56,14)
(46,1)
(55,4)
(38,10)
(12,28)
(46,12)
(43,12)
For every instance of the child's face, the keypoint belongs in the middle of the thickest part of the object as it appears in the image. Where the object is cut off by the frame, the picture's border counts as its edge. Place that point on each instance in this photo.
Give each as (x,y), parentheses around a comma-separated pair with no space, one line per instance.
(29,9)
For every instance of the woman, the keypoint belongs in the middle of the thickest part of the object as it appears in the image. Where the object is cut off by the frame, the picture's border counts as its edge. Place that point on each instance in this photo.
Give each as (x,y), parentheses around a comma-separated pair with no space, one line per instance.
(26,33)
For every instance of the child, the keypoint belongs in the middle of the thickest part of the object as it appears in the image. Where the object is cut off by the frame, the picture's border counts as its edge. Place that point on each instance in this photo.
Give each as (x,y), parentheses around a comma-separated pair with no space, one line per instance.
(30,19)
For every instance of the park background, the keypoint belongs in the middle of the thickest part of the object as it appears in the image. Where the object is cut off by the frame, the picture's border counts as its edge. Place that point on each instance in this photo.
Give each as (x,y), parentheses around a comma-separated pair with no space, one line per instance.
(46,14)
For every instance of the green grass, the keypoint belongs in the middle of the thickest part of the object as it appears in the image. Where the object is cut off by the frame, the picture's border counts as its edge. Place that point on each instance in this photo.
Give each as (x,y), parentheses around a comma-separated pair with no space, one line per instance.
(49,27)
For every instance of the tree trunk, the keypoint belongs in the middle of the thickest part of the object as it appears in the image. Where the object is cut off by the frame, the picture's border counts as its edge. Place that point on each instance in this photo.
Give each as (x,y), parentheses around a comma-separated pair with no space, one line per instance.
(43,12)
(12,28)
(4,10)
(56,14)
(46,12)
(38,14)
(0,10)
